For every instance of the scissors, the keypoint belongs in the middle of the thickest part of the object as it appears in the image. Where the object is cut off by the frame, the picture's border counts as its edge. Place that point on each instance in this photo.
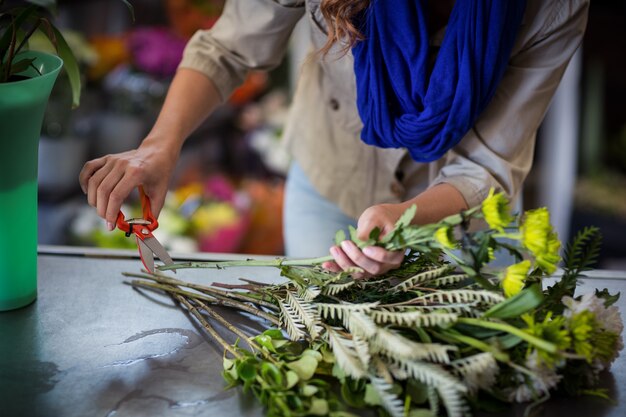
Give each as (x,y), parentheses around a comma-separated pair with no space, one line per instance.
(142,228)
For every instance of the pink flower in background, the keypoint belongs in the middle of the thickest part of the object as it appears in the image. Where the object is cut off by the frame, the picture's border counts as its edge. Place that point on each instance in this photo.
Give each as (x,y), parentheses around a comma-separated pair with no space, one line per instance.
(156,51)
(220,188)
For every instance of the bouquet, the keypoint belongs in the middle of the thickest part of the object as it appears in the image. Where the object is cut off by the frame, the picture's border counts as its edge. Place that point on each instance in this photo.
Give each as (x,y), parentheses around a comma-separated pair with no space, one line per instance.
(446,331)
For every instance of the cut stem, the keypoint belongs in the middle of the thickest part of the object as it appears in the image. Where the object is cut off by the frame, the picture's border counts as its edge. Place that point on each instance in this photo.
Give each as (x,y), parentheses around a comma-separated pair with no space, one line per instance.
(248,262)
(205,324)
(217,301)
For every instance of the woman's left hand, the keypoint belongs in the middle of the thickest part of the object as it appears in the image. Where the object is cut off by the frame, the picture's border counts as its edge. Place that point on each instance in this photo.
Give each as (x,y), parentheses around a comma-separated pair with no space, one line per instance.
(373,260)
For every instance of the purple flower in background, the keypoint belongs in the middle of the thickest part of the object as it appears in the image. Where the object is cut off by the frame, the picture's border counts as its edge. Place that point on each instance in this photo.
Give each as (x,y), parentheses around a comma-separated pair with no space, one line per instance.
(156,51)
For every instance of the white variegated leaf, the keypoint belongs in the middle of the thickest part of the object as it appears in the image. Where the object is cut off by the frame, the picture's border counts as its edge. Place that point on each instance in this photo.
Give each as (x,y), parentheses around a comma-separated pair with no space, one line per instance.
(306,312)
(389,400)
(345,355)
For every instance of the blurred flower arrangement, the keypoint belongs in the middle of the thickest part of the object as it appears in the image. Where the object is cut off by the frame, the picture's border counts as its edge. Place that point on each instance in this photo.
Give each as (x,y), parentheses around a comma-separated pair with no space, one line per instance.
(209,216)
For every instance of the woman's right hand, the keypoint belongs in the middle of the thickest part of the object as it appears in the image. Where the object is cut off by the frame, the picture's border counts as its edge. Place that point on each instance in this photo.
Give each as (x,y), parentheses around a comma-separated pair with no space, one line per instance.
(109,180)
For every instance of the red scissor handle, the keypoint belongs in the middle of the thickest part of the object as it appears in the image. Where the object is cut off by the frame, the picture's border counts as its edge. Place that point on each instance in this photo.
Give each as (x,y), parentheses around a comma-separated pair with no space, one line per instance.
(129,227)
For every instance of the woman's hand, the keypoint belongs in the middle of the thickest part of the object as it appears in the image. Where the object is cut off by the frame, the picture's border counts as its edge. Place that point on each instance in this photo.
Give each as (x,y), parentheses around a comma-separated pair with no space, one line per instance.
(109,180)
(373,260)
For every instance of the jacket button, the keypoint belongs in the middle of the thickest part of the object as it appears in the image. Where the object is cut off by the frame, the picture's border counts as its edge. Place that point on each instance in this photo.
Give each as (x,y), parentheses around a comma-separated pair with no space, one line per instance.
(396,189)
(334,104)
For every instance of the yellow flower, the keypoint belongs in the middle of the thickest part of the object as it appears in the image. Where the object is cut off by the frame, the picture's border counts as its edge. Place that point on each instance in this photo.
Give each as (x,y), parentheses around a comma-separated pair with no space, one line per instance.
(496,210)
(445,237)
(514,278)
(581,327)
(540,239)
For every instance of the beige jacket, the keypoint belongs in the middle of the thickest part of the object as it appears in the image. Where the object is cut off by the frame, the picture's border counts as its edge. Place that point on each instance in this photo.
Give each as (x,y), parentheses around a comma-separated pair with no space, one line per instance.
(323,129)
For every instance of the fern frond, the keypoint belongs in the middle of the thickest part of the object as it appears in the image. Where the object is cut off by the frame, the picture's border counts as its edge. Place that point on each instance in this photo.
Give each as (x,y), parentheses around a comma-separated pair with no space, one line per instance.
(421,278)
(413,318)
(460,309)
(306,312)
(433,400)
(394,345)
(450,389)
(291,321)
(345,354)
(583,251)
(341,311)
(461,296)
(477,371)
(309,293)
(447,280)
(362,350)
(360,324)
(389,400)
(334,289)
(579,256)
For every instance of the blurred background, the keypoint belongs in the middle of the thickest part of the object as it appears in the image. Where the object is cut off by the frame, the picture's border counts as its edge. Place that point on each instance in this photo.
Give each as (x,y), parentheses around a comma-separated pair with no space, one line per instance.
(226,194)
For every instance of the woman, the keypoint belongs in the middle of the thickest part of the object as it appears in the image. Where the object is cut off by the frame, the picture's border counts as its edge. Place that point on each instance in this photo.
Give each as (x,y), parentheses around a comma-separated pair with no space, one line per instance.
(446,97)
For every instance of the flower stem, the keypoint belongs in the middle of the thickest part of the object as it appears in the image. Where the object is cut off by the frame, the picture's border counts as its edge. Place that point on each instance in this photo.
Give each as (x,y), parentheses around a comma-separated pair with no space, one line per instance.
(209,290)
(248,262)
(228,303)
(205,324)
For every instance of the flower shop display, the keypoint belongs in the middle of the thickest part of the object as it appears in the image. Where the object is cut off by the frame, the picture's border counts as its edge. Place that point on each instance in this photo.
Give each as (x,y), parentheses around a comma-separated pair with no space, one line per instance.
(445,333)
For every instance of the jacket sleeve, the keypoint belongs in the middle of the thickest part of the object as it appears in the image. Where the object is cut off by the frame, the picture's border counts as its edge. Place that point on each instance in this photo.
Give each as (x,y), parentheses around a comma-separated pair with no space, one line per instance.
(249,35)
(498,151)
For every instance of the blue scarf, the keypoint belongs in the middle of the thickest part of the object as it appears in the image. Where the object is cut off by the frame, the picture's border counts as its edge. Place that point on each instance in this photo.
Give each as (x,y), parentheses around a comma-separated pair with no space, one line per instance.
(399,103)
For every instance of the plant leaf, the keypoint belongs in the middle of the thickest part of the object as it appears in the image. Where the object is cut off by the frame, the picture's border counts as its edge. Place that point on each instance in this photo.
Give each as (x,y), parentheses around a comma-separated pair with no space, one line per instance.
(70,64)
(517,305)
(340,236)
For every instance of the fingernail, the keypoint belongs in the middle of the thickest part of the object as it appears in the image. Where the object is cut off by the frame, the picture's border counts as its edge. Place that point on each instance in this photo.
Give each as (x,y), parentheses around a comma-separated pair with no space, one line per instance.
(369,251)
(110,226)
(345,244)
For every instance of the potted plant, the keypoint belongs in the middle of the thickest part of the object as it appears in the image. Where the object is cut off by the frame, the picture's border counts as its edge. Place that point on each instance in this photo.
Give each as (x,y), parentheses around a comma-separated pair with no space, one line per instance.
(26,79)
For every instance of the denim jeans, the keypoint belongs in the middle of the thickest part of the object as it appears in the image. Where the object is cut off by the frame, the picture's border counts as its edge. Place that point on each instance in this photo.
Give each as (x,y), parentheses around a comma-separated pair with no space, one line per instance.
(310,221)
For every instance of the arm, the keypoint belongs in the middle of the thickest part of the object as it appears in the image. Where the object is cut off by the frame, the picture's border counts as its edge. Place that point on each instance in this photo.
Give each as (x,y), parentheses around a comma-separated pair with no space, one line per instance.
(498,151)
(249,35)
(107,181)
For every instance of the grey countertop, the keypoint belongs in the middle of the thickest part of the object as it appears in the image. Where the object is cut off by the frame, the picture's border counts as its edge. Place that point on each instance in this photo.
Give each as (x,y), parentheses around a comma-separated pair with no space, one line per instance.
(92,346)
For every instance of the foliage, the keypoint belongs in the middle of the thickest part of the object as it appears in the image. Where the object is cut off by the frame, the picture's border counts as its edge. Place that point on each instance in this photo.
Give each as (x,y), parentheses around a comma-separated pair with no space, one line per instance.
(18,22)
(441,332)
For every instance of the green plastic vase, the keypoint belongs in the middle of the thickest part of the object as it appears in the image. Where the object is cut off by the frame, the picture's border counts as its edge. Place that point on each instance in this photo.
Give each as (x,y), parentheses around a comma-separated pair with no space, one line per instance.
(22,106)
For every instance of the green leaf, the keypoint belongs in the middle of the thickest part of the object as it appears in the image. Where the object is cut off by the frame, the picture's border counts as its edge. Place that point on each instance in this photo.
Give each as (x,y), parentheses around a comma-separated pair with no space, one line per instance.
(313,353)
(291,379)
(21,65)
(5,40)
(374,233)
(69,63)
(417,390)
(421,412)
(246,371)
(407,217)
(131,9)
(309,390)
(520,303)
(265,341)
(227,363)
(271,374)
(340,236)
(609,299)
(319,407)
(305,367)
(275,334)
(48,4)
(371,396)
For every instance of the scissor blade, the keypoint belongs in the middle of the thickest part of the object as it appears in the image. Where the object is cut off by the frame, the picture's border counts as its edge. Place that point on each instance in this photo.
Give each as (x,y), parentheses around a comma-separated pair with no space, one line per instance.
(158,249)
(146,254)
